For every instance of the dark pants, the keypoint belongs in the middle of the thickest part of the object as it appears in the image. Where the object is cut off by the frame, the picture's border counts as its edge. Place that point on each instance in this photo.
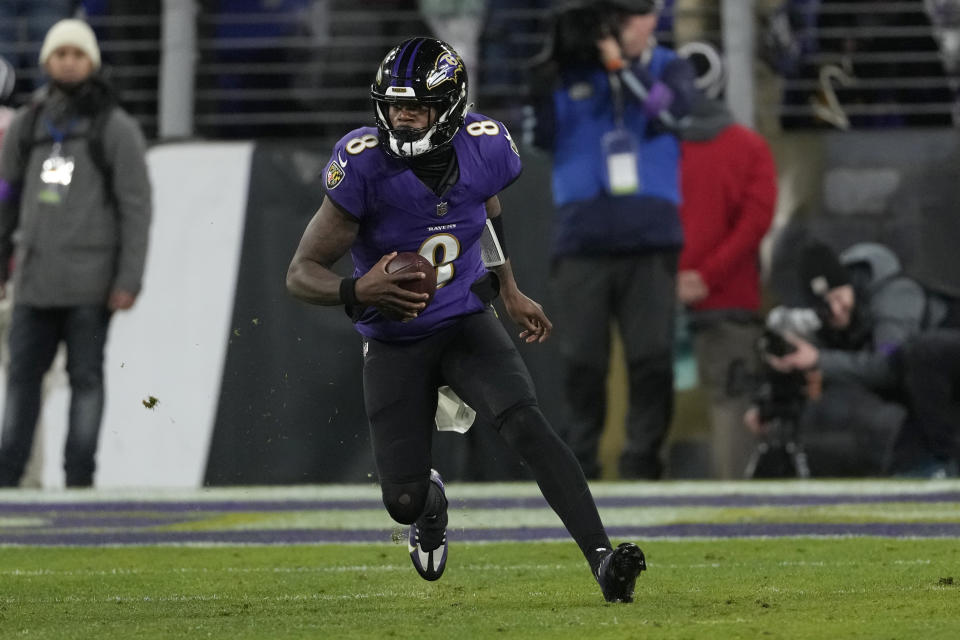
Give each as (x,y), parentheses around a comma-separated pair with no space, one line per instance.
(931,366)
(850,431)
(480,362)
(638,293)
(475,357)
(35,334)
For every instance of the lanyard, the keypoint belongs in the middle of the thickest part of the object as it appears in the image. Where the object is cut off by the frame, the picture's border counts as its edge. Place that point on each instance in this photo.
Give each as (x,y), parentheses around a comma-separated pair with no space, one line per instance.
(616,92)
(58,135)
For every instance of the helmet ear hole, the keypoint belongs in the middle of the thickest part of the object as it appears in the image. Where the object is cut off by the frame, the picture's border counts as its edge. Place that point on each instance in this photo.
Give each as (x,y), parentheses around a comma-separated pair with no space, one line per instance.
(428,71)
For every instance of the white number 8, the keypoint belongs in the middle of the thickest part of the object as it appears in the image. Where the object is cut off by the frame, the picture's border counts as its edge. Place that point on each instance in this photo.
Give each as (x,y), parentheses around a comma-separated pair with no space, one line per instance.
(357,145)
(483,128)
(441,250)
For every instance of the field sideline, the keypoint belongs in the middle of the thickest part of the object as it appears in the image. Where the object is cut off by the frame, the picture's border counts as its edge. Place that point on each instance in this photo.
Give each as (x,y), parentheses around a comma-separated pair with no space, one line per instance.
(778,559)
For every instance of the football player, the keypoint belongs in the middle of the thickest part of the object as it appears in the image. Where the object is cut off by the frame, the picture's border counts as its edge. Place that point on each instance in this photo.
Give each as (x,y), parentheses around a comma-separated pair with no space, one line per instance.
(426,179)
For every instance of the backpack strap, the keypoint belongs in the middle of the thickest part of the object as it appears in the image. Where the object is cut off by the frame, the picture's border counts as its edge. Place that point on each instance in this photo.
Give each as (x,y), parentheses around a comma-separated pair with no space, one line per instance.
(28,139)
(98,152)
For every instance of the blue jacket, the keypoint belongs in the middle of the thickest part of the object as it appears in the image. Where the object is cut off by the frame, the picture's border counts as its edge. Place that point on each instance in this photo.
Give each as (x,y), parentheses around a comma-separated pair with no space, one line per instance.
(571,120)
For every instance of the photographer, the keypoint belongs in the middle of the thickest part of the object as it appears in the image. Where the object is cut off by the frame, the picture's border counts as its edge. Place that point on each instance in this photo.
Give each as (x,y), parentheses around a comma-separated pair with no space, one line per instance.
(607,103)
(869,309)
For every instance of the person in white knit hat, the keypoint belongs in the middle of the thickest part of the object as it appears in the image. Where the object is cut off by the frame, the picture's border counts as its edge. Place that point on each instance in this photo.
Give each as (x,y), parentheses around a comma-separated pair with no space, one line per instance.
(70,34)
(76,197)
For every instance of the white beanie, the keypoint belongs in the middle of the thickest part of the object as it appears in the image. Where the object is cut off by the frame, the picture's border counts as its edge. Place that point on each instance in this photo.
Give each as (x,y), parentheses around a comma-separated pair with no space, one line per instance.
(74,33)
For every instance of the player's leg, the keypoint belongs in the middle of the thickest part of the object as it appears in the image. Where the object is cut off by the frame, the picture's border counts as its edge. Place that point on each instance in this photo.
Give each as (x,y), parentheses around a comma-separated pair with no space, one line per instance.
(645,309)
(581,287)
(484,367)
(400,395)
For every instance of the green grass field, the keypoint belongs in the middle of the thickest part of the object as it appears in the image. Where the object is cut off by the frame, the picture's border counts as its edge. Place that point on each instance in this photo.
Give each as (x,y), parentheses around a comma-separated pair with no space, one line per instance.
(846,586)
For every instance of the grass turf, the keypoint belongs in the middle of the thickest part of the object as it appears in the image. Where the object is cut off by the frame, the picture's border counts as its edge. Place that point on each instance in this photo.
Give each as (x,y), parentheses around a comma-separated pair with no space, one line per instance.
(871,588)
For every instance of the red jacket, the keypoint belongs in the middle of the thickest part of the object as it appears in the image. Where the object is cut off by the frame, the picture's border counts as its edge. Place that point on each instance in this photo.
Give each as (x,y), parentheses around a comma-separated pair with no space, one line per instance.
(729,187)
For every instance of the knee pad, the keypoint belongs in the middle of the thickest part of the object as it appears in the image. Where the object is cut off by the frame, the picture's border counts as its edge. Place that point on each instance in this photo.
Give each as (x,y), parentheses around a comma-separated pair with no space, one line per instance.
(405,500)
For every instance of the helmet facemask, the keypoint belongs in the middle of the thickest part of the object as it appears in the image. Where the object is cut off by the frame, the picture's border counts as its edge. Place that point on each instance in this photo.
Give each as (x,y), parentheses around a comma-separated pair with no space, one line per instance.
(432,75)
(406,142)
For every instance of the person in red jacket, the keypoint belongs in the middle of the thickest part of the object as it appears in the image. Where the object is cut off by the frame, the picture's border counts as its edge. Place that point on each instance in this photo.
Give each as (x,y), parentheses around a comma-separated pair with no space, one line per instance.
(729,182)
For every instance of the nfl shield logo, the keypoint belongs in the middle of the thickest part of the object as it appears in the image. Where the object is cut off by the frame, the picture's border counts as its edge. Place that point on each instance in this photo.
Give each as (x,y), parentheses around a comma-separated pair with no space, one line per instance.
(442,209)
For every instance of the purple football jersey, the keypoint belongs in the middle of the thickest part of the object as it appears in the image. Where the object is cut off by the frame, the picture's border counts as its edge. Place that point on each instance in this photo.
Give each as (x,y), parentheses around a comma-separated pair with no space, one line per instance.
(398,212)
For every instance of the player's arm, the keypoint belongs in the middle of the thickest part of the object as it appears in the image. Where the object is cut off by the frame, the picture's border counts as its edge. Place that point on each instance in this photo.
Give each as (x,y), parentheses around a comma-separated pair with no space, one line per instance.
(525,312)
(326,239)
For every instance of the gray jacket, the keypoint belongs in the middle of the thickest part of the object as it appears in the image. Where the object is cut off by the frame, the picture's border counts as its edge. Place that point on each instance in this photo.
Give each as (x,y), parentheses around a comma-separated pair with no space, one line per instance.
(77,251)
(898,308)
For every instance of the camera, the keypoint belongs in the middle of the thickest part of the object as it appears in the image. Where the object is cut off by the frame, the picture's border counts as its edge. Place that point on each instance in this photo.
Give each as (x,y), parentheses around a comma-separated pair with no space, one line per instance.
(577,29)
(779,397)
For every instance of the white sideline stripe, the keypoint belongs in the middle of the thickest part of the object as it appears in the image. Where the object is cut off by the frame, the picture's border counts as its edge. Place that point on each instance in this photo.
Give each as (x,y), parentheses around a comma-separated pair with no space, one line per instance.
(599,489)
(560,538)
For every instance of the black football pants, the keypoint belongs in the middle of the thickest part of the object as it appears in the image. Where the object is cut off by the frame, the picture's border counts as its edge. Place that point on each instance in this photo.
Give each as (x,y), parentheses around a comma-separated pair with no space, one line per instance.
(479,361)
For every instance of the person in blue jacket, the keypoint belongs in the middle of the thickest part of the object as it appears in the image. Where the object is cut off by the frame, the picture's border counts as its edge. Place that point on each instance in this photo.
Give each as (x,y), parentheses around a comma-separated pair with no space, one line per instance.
(608,103)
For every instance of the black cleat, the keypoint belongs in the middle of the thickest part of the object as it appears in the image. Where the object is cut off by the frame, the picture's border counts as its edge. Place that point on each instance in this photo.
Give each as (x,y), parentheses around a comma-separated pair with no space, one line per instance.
(618,572)
(427,541)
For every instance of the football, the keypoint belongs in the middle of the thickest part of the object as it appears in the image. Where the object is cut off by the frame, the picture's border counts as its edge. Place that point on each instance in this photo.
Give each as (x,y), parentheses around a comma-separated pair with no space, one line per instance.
(410,261)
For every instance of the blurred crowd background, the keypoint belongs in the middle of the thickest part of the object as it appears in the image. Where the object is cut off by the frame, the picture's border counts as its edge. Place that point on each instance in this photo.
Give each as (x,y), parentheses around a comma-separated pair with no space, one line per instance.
(301,68)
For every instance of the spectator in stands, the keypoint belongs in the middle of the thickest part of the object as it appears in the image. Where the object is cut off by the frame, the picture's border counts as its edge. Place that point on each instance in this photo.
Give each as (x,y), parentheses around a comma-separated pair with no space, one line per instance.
(508,44)
(877,51)
(75,196)
(133,27)
(869,309)
(458,22)
(729,193)
(607,103)
(23,24)
(253,80)
(785,32)
(8,79)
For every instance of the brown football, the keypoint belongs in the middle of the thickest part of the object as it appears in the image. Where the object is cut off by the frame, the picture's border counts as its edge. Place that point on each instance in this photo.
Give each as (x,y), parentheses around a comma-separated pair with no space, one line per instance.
(410,261)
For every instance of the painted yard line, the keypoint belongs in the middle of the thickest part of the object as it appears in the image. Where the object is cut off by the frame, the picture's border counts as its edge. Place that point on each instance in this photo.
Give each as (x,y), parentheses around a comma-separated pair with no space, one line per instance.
(465,490)
(321,536)
(732,500)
